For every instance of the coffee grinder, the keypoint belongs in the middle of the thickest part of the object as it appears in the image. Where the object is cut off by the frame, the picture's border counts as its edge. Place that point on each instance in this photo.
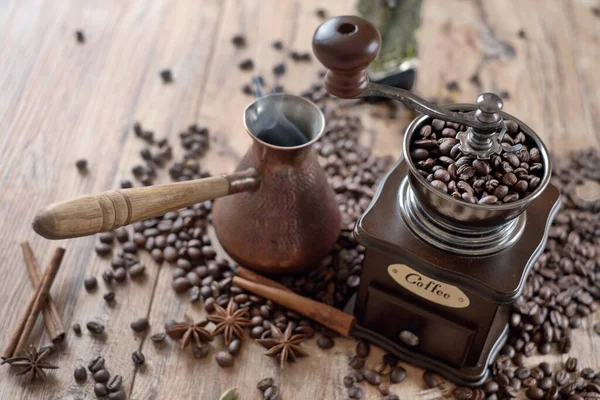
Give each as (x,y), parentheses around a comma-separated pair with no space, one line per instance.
(440,273)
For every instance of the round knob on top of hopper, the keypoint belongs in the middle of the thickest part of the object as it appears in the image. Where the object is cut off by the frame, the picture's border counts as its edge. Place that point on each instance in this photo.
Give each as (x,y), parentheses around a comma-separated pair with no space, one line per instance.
(346,46)
(489,106)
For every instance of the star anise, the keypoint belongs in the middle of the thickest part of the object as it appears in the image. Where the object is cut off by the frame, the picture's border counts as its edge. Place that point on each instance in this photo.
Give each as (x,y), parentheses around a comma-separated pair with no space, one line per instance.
(34,364)
(229,322)
(285,345)
(189,331)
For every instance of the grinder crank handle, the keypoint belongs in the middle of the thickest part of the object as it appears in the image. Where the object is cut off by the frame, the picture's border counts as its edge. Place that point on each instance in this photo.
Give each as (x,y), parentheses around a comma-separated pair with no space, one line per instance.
(346,45)
(102,212)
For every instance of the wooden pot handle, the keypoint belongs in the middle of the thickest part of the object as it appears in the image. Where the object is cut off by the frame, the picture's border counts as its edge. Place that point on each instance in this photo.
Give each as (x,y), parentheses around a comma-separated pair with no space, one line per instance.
(90,214)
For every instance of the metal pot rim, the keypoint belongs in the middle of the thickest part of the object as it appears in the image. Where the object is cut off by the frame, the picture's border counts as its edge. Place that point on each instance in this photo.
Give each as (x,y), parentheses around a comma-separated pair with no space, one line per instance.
(290,97)
(412,127)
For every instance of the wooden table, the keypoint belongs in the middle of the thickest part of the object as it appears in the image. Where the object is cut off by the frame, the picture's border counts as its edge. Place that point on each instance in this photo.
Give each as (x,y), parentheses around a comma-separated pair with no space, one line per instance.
(60,101)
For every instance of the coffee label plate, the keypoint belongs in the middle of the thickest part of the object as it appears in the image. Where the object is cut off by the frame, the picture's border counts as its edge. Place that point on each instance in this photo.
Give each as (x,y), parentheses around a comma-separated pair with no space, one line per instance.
(427,288)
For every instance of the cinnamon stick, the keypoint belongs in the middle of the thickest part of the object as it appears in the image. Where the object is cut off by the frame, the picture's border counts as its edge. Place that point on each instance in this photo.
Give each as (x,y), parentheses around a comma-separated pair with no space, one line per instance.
(25,324)
(52,320)
(331,317)
(254,277)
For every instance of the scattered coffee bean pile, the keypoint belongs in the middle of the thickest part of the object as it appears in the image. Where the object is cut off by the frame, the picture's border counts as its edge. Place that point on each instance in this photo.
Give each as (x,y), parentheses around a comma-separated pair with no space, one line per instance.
(106,385)
(388,369)
(269,389)
(562,289)
(559,292)
(502,179)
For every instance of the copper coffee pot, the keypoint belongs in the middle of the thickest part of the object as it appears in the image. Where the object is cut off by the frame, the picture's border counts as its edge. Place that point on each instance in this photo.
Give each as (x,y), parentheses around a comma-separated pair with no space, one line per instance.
(276,213)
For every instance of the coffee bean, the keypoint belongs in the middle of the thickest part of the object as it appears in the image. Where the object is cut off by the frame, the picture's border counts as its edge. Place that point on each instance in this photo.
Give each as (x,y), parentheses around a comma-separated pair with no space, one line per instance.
(571,364)
(137,270)
(96,364)
(546,368)
(325,342)
(372,377)
(120,275)
(397,375)
(100,389)
(80,373)
(246,65)
(587,373)
(534,393)
(122,235)
(488,200)
(272,393)
(463,393)
(349,381)
(77,329)
(265,383)
(562,377)
(491,387)
(103,249)
(167,76)
(138,357)
(81,165)
(279,69)
(431,380)
(564,345)
(234,347)
(114,383)
(356,362)
(363,349)
(158,337)
(545,383)
(109,297)
(181,285)
(90,283)
(108,276)
(101,375)
(481,167)
(140,325)
(355,392)
(567,389)
(118,395)
(409,338)
(95,327)
(552,393)
(439,185)
(224,359)
(202,350)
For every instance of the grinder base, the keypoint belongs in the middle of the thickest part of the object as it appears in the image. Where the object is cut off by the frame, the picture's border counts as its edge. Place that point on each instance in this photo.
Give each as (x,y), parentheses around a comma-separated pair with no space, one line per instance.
(453,307)
(461,376)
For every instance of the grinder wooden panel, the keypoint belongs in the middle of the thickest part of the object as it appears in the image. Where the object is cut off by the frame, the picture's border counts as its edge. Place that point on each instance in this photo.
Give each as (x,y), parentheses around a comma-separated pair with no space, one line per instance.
(457,342)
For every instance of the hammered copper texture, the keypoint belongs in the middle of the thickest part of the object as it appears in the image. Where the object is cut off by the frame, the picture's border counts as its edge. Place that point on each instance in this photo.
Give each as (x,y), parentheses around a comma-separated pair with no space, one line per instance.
(286,225)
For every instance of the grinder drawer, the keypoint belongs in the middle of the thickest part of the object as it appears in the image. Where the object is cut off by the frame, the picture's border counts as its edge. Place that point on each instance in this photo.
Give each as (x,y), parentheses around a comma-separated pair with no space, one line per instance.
(438,337)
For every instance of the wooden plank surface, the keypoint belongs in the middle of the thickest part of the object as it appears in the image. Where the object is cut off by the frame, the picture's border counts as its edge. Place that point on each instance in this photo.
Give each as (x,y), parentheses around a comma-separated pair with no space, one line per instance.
(60,101)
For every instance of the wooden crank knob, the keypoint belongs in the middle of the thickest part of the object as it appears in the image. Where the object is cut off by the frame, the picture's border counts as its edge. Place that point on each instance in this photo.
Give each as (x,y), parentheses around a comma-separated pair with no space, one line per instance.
(346,46)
